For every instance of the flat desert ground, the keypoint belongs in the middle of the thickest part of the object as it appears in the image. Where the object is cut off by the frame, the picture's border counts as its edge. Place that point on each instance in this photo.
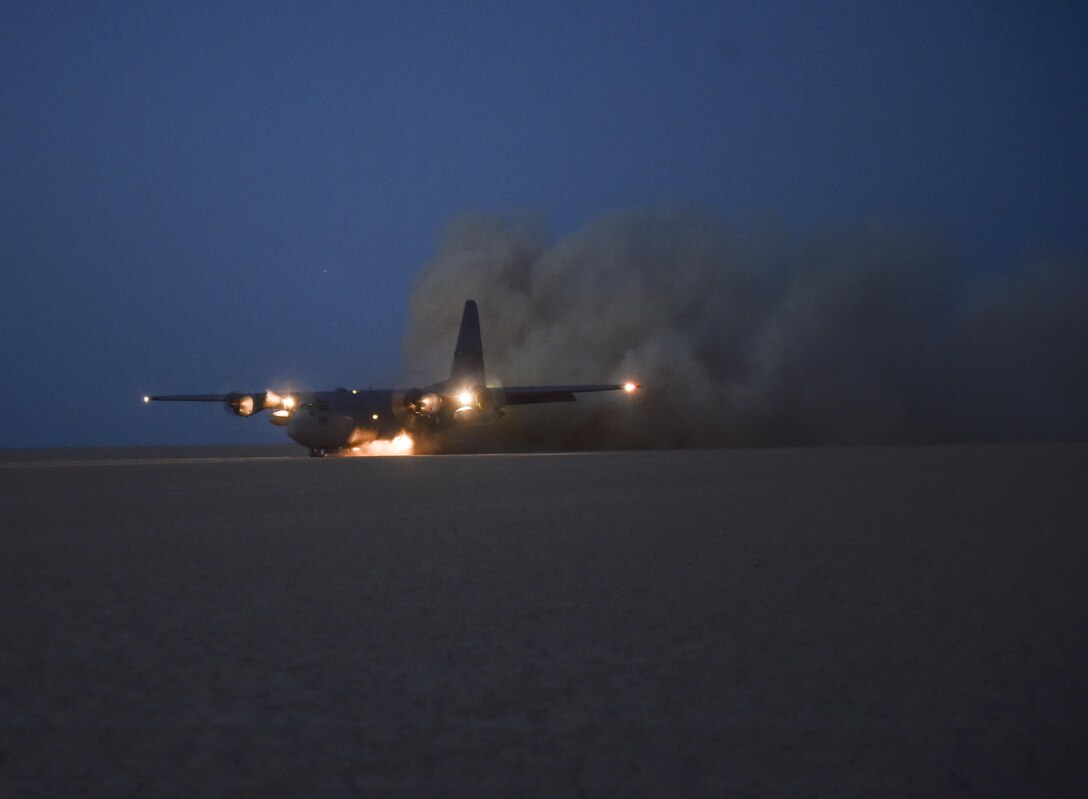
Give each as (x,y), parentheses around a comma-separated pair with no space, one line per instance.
(809,622)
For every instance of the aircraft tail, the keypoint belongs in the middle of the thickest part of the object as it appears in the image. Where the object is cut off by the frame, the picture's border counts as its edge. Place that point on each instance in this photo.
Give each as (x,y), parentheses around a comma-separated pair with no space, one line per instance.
(468,357)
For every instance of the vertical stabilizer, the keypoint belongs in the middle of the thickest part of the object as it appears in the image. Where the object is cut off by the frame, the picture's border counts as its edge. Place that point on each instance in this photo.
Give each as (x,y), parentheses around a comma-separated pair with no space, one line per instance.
(468,357)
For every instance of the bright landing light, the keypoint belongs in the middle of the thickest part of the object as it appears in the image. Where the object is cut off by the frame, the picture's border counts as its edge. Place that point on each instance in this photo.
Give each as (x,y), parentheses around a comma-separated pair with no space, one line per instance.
(465,398)
(147,398)
(629,387)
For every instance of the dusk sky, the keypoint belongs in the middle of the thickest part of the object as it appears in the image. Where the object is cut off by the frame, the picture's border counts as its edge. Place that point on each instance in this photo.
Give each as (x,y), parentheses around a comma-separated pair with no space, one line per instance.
(197,197)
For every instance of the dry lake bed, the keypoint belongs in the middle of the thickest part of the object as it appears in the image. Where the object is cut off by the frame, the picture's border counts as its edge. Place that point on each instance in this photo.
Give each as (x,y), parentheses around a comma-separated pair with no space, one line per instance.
(812,622)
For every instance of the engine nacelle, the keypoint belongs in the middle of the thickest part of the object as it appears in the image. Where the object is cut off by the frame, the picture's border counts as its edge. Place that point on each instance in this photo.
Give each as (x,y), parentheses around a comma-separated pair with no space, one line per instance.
(422,403)
(245,404)
(476,407)
(249,404)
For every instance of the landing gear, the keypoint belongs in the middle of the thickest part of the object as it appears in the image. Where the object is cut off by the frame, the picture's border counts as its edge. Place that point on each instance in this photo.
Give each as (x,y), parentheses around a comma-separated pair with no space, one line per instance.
(317,452)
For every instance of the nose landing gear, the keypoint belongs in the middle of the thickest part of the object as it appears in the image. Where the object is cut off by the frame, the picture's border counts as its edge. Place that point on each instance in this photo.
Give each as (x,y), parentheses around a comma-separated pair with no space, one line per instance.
(317,452)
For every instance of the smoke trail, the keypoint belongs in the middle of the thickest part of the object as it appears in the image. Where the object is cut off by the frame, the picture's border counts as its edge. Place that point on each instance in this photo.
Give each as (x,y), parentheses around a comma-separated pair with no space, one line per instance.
(754,337)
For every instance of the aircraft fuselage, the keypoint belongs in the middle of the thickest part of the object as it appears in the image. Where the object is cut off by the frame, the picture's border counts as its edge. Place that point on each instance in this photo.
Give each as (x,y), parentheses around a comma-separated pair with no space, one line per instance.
(335,420)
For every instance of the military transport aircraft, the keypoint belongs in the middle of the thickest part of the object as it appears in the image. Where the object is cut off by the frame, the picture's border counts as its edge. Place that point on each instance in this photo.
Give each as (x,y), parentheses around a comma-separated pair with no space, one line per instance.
(332,421)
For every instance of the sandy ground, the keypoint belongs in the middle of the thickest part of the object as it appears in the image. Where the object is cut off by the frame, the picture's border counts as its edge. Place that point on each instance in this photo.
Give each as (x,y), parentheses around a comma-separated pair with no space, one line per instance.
(866,622)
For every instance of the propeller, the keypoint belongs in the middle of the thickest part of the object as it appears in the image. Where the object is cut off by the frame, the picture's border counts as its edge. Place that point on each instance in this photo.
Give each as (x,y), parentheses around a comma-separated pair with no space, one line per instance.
(226,416)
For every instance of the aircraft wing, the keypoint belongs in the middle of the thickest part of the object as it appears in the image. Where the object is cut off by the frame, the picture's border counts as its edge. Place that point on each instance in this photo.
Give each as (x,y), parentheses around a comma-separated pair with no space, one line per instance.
(193,397)
(531,395)
(243,404)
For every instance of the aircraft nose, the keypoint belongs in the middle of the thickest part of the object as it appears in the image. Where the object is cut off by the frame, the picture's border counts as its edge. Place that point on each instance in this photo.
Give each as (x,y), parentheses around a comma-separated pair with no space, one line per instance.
(307,428)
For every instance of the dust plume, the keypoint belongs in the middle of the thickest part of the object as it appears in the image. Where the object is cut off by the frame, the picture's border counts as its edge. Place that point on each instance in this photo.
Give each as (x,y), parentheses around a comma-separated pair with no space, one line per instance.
(748,336)
(401,444)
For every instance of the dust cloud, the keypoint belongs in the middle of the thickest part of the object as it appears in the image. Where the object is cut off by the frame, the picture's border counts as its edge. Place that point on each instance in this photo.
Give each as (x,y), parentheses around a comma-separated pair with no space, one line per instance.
(751,335)
(401,444)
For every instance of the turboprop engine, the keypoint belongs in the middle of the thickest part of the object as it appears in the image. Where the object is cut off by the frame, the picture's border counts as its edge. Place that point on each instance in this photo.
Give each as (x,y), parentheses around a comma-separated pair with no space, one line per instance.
(416,408)
(477,406)
(422,403)
(246,404)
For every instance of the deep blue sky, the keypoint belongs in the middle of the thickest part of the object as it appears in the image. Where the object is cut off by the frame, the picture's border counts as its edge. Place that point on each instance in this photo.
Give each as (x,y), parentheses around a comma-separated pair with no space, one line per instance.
(195,196)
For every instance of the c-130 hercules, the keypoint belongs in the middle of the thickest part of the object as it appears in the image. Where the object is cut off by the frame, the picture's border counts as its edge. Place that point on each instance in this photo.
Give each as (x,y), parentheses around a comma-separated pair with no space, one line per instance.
(332,421)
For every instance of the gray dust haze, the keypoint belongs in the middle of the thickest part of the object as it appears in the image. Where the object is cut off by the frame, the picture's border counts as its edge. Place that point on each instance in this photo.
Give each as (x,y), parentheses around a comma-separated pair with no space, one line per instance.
(752,336)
